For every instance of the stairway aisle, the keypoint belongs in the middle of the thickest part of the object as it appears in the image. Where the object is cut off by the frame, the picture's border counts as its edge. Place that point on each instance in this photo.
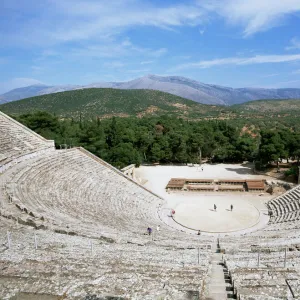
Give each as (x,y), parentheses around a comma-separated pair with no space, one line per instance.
(219,286)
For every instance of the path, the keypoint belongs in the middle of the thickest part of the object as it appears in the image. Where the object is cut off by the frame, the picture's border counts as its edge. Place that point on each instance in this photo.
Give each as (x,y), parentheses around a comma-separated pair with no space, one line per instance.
(219,284)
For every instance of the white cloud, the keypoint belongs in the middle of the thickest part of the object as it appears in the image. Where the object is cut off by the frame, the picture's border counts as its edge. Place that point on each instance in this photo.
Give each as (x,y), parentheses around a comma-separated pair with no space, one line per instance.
(116,50)
(147,62)
(270,75)
(14,83)
(254,15)
(126,43)
(185,57)
(55,21)
(49,52)
(158,53)
(258,59)
(36,68)
(69,20)
(295,44)
(201,31)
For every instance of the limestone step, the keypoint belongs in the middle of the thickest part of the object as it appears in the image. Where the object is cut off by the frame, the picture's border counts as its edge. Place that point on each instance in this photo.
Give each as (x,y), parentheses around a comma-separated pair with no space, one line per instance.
(219,287)
(217,296)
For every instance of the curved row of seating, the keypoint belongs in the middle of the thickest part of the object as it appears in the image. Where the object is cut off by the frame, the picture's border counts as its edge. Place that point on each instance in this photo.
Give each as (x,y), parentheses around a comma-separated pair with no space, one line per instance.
(82,197)
(96,242)
(73,267)
(265,264)
(17,140)
(286,207)
(70,188)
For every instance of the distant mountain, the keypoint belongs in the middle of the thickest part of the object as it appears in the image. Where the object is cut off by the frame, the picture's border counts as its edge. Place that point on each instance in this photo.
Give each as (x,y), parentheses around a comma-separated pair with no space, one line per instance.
(34,90)
(21,93)
(57,89)
(179,86)
(107,102)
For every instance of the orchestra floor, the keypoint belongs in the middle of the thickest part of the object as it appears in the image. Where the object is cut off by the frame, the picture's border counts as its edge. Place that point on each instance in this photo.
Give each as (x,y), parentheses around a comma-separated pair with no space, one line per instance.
(195,210)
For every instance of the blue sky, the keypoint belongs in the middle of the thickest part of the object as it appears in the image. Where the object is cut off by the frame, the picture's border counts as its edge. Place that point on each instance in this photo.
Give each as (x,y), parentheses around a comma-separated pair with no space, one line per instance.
(236,43)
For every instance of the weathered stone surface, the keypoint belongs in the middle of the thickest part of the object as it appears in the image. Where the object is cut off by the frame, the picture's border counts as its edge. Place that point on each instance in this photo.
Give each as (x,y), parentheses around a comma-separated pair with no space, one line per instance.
(91,243)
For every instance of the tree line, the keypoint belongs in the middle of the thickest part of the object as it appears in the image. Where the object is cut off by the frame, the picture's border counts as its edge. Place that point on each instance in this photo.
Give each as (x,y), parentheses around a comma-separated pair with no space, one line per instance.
(165,139)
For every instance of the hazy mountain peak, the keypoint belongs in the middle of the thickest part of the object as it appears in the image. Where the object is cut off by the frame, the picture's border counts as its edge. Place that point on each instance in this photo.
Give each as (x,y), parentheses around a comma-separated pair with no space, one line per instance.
(176,85)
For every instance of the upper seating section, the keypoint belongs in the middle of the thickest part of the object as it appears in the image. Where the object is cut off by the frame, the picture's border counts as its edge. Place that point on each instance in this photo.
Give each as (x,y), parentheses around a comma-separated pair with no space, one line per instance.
(286,207)
(17,140)
(71,189)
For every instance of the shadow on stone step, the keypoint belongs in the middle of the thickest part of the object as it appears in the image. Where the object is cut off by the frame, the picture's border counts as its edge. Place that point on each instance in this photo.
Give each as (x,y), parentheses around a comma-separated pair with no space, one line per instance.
(192,295)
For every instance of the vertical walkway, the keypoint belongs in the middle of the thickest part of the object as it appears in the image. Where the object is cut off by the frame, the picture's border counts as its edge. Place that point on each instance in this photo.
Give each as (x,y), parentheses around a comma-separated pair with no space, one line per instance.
(219,284)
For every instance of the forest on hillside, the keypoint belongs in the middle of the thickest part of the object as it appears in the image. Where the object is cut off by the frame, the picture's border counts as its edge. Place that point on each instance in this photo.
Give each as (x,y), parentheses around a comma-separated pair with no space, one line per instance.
(91,103)
(123,141)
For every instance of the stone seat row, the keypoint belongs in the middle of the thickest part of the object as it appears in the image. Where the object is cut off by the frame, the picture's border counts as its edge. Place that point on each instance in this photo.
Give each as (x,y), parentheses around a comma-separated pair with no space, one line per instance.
(263,273)
(71,189)
(66,264)
(17,140)
(286,207)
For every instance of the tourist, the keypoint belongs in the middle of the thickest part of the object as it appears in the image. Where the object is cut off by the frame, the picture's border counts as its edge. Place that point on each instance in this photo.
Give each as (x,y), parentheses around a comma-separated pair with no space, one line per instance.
(199,232)
(202,169)
(215,207)
(231,207)
(149,229)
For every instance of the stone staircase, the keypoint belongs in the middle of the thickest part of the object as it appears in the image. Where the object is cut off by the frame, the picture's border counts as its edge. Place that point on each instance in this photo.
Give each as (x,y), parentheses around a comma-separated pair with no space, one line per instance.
(219,284)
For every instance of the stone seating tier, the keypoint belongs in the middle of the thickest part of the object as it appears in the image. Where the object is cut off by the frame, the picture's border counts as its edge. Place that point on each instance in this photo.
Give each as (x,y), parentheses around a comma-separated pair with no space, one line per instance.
(286,207)
(94,239)
(17,140)
(68,264)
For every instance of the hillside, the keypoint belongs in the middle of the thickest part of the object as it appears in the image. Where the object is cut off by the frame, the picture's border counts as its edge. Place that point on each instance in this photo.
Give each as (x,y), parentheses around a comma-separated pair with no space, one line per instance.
(180,86)
(107,102)
(269,106)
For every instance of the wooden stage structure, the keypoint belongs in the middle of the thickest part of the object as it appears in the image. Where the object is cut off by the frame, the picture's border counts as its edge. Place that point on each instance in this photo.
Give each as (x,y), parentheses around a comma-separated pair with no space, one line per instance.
(215,185)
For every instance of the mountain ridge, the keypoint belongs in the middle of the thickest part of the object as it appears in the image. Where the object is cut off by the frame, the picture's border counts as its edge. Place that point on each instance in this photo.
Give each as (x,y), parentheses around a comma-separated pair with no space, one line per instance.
(108,102)
(177,85)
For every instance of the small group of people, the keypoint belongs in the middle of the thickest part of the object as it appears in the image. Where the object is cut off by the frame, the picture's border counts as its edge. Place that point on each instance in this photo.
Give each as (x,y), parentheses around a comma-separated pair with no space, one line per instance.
(215,207)
(149,229)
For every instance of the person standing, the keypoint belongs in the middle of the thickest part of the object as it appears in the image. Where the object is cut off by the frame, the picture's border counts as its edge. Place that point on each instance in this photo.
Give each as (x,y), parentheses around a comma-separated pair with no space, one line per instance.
(149,229)
(231,207)
(215,207)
